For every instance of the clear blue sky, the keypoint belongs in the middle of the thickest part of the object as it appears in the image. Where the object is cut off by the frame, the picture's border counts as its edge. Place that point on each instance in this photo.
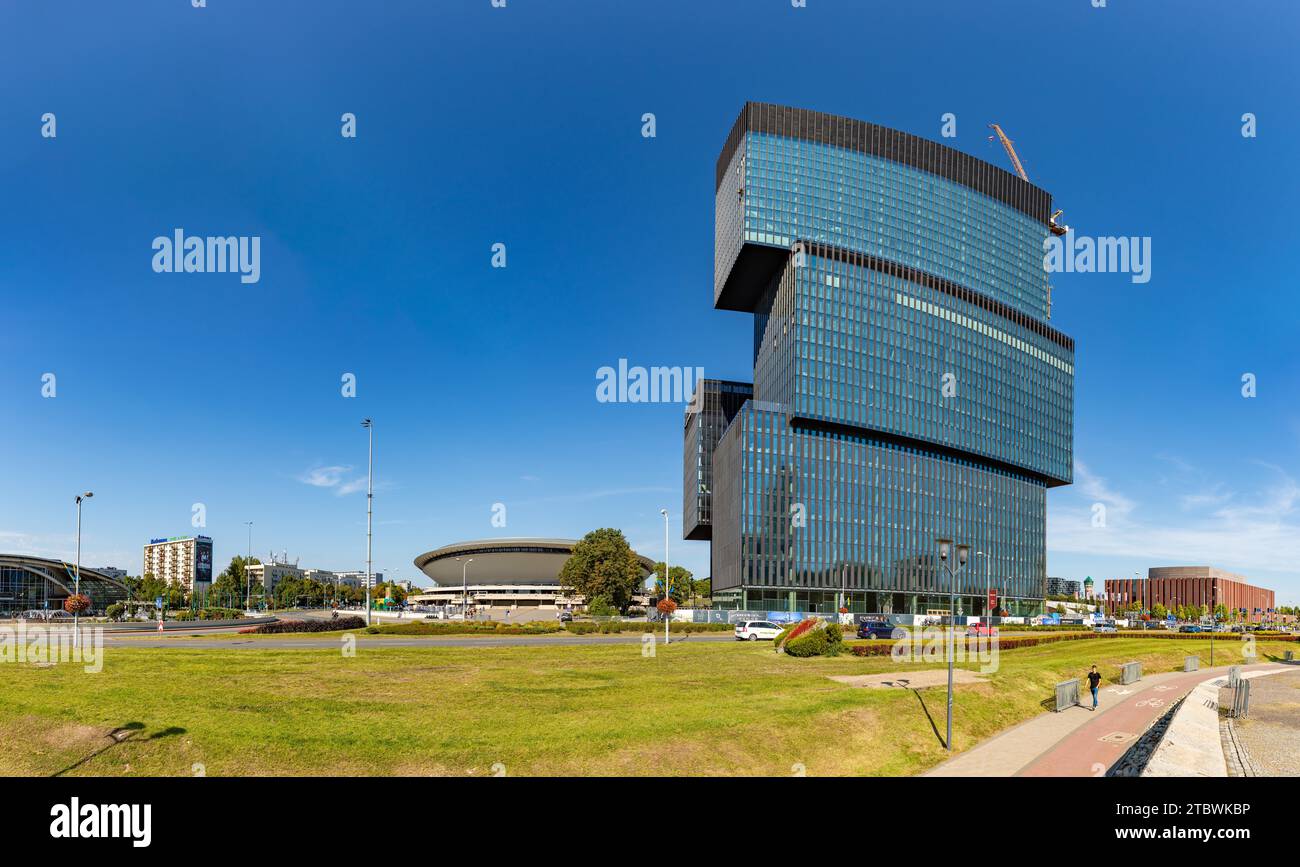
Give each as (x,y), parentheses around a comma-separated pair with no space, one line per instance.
(478,125)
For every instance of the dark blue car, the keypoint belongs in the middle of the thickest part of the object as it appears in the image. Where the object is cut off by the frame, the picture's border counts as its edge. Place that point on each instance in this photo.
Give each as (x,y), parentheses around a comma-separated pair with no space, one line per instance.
(875,629)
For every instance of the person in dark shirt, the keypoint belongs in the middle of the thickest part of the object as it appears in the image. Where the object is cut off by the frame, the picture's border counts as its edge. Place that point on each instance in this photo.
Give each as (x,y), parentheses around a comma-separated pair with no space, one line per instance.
(1094,681)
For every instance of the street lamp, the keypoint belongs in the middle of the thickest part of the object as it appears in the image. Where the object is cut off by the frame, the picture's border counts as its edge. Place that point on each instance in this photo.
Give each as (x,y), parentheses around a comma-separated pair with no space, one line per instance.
(963,551)
(988,589)
(76,633)
(370,496)
(248,576)
(464,589)
(667,616)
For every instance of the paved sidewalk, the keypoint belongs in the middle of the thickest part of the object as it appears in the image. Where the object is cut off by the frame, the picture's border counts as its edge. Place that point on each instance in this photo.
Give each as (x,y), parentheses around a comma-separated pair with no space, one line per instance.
(1079,742)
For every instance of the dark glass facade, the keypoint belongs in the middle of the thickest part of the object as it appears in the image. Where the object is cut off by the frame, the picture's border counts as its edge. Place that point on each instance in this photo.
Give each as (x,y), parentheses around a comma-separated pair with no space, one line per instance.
(711,409)
(907,384)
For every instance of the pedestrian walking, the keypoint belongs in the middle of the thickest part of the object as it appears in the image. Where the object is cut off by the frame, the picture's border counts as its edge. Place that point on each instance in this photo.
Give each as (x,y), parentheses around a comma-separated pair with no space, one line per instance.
(1094,681)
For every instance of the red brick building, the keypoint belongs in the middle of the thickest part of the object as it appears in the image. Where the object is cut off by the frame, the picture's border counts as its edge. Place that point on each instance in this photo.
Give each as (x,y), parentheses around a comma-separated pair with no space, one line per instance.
(1205,586)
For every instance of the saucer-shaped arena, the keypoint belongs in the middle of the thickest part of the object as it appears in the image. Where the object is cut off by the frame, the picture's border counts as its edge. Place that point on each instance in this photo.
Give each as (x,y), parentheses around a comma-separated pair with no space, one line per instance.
(501,572)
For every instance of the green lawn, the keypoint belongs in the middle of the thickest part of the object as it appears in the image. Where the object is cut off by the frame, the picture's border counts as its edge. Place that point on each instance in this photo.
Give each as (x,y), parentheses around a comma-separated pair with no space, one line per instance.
(693,708)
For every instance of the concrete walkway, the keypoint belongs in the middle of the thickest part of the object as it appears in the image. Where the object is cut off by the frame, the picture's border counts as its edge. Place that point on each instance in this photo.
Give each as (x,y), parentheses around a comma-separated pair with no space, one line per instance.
(1193,746)
(1079,742)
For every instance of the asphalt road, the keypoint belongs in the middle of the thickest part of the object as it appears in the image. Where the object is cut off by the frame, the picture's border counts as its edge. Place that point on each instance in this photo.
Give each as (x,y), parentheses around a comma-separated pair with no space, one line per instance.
(333,642)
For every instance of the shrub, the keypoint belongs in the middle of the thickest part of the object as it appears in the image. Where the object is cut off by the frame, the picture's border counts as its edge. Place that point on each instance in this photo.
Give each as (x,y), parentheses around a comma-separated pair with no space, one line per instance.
(581,627)
(282,626)
(601,607)
(813,642)
(115,611)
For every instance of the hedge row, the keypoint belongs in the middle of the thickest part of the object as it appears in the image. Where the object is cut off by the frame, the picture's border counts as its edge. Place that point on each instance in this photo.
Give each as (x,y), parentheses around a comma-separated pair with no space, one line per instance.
(282,626)
(209,614)
(456,627)
(588,627)
(883,648)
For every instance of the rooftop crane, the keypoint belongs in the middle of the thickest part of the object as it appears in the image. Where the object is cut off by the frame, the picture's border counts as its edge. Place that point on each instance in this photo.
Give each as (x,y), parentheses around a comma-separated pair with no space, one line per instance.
(1055,228)
(1020,170)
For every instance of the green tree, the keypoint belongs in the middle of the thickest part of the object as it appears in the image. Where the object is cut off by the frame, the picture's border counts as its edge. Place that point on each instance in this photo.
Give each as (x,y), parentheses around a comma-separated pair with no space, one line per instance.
(603,564)
(1159,612)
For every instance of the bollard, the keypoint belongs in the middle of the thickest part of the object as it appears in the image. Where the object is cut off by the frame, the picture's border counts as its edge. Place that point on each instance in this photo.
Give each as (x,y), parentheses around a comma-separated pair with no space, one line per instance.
(1067,694)
(1192,663)
(1131,672)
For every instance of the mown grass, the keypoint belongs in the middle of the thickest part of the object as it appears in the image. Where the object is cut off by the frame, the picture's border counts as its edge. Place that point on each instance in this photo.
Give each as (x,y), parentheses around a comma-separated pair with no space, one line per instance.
(693,708)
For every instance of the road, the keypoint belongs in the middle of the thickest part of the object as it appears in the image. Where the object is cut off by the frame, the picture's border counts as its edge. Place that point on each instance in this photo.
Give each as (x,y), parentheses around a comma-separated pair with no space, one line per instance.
(332,642)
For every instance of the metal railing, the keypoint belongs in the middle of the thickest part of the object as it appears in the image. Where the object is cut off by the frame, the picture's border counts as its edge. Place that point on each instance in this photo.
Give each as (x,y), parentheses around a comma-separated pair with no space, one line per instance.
(1130,672)
(1234,676)
(1192,663)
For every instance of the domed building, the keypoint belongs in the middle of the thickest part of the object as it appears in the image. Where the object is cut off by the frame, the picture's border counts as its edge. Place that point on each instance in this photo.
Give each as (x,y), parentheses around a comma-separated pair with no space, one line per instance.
(501,573)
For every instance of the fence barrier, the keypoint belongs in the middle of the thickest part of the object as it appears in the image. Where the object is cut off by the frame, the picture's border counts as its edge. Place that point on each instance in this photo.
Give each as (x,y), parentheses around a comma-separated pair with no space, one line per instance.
(1067,694)
(1241,700)
(1130,673)
(1234,676)
(1192,663)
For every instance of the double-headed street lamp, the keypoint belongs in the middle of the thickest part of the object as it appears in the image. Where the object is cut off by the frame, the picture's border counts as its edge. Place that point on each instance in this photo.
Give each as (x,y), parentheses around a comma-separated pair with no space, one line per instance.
(76,633)
(963,551)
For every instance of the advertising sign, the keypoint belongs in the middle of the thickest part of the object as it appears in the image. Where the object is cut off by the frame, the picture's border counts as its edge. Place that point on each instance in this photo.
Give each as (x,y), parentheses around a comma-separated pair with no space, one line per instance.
(203,559)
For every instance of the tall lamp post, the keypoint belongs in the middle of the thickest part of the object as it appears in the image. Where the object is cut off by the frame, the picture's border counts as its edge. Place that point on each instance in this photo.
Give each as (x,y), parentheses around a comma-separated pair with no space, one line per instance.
(988,589)
(248,576)
(370,496)
(667,616)
(464,589)
(76,633)
(963,551)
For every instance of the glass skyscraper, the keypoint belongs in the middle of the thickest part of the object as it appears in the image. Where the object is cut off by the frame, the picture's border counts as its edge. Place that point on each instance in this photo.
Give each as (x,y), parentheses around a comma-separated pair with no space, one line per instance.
(907,382)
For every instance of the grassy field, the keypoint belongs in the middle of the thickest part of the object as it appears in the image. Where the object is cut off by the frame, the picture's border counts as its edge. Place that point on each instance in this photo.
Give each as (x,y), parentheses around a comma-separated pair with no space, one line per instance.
(693,708)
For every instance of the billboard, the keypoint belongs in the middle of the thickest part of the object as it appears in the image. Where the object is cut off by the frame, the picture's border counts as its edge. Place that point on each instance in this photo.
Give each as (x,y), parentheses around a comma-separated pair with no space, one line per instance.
(203,559)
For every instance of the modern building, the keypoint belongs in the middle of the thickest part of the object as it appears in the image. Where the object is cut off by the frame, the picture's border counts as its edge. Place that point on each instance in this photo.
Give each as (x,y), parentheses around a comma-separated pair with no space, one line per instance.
(505,573)
(907,382)
(1063,587)
(41,584)
(1203,586)
(186,560)
(111,572)
(713,406)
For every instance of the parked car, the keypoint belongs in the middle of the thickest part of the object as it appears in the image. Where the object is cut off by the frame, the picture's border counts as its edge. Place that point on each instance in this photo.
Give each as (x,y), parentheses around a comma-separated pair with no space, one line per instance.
(753,630)
(975,630)
(1104,627)
(1189,627)
(565,616)
(875,629)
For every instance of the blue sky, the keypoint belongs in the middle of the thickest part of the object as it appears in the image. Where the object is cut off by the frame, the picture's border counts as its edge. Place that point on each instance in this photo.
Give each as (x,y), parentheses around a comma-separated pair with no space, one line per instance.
(522,125)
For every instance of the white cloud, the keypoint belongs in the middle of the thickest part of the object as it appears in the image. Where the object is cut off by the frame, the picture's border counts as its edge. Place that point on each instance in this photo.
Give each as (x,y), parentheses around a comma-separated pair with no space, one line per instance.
(335,478)
(1259,531)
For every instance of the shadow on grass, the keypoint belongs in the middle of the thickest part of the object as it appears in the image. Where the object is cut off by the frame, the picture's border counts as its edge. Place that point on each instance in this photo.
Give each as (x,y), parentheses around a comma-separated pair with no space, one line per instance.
(933,727)
(119,735)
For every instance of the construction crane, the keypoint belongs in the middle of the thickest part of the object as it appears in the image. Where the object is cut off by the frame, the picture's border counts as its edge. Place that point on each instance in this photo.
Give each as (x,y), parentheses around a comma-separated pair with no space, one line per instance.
(1055,228)
(1020,170)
